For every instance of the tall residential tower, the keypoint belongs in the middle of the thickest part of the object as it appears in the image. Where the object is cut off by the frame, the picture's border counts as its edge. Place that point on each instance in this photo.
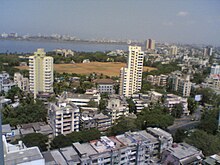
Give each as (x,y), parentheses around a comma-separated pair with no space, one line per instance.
(150,44)
(131,76)
(40,72)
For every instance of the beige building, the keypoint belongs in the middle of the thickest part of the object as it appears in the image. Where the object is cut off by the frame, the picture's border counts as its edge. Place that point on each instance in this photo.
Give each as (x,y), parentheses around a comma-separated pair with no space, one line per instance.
(21,82)
(173,50)
(117,107)
(180,83)
(131,76)
(40,72)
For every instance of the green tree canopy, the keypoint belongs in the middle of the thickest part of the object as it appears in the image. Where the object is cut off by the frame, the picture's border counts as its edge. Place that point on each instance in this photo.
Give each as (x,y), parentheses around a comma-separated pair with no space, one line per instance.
(208,143)
(36,139)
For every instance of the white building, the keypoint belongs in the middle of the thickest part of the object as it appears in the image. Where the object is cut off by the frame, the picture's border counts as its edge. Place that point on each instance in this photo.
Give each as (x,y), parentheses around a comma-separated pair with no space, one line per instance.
(172,100)
(5,83)
(181,84)
(81,100)
(40,72)
(21,82)
(131,76)
(215,69)
(19,154)
(64,117)
(117,107)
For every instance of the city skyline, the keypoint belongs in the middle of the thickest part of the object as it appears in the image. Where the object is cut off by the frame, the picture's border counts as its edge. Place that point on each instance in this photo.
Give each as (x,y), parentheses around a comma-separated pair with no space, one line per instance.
(165,21)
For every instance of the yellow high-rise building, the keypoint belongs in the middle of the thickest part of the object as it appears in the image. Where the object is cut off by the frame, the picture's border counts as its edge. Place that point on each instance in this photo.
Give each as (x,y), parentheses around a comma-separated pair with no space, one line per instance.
(40,72)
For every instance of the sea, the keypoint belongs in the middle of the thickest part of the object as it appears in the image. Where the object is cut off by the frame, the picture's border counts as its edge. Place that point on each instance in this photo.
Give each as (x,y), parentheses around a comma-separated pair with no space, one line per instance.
(18,46)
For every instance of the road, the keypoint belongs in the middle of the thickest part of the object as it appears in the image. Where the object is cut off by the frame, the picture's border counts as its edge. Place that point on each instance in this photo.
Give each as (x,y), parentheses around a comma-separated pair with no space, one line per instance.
(186,122)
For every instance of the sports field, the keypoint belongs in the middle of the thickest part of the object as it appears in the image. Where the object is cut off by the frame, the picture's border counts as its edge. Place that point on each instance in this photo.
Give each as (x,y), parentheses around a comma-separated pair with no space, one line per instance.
(106,68)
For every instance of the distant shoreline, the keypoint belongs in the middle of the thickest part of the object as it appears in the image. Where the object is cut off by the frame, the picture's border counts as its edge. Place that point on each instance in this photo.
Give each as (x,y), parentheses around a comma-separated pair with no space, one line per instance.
(63,41)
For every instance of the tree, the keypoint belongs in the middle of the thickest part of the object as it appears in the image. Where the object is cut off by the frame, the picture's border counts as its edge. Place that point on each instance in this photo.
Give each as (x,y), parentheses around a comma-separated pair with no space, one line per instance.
(81,137)
(192,105)
(209,121)
(14,91)
(60,141)
(92,103)
(179,135)
(208,95)
(208,143)
(154,116)
(28,111)
(177,110)
(36,139)
(124,124)
(131,105)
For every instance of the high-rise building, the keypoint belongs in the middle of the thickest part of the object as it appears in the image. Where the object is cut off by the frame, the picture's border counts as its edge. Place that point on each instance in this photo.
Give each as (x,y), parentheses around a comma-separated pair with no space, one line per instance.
(150,44)
(215,69)
(180,84)
(173,50)
(131,76)
(40,72)
(207,51)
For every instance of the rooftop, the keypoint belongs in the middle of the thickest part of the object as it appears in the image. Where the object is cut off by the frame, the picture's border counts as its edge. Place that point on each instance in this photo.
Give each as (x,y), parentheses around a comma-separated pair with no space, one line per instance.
(159,132)
(70,154)
(106,144)
(84,149)
(104,81)
(23,156)
(183,150)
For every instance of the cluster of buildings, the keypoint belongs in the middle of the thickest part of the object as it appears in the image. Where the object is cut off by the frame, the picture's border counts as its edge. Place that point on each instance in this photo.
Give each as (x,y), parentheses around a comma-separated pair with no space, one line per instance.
(153,146)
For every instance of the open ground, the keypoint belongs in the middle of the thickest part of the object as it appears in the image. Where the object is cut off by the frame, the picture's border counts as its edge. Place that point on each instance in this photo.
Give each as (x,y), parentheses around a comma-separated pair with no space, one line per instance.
(106,68)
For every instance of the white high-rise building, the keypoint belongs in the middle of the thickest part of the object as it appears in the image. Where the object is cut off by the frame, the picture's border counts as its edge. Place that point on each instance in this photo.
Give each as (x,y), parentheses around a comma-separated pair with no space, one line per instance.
(40,72)
(131,76)
(215,69)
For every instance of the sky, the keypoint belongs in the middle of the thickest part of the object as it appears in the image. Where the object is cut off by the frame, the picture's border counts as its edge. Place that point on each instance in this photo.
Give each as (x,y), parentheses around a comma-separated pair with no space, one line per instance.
(180,21)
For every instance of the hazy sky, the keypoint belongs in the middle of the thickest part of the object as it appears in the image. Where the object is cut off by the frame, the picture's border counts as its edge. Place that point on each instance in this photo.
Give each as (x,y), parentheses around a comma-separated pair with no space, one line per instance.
(185,21)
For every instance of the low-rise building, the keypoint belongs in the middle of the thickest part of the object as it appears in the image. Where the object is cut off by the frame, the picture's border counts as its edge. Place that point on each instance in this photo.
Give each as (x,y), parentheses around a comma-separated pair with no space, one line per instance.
(5,83)
(81,100)
(105,85)
(64,52)
(117,107)
(212,160)
(129,148)
(181,153)
(172,100)
(160,80)
(21,155)
(63,117)
(165,138)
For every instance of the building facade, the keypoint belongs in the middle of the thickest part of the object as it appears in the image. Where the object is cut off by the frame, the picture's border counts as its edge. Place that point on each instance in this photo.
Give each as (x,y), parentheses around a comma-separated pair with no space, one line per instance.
(105,86)
(131,76)
(117,107)
(63,117)
(21,82)
(150,44)
(5,83)
(40,72)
